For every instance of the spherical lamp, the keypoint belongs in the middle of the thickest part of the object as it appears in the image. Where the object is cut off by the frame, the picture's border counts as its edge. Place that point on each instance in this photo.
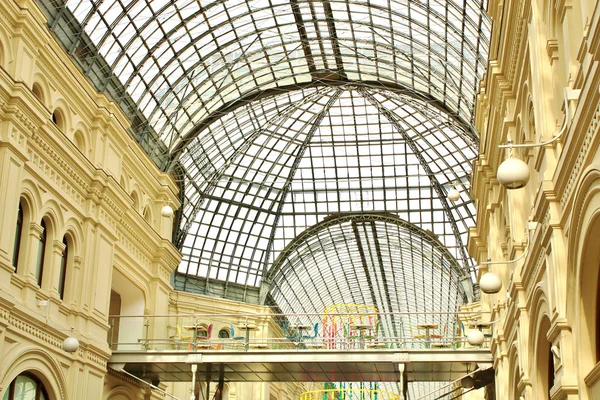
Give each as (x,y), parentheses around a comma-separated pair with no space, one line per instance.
(513,173)
(467,382)
(166,211)
(71,344)
(490,283)
(475,337)
(453,194)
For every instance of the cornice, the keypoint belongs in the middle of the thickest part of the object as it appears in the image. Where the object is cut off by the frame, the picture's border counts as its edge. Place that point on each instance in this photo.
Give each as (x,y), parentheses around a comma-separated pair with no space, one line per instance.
(593,376)
(578,148)
(557,326)
(55,170)
(26,324)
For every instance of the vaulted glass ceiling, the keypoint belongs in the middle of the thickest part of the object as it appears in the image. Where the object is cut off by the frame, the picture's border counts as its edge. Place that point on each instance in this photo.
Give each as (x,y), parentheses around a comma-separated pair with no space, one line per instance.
(315,141)
(280,113)
(188,60)
(263,174)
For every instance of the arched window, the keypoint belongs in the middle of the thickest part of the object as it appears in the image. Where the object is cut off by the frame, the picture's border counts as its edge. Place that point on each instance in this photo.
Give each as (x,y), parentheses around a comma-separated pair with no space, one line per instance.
(18,233)
(39,264)
(223,334)
(59,119)
(550,369)
(64,258)
(147,215)
(79,141)
(25,387)
(37,92)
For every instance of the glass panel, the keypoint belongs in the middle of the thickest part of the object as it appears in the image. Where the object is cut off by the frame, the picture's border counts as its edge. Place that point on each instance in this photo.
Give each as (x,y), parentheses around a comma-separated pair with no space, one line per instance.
(25,388)
(183,61)
(270,170)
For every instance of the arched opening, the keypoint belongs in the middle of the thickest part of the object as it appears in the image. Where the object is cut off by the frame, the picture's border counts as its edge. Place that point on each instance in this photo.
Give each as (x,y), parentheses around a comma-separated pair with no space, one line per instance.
(589,297)
(38,92)
(597,333)
(544,360)
(41,254)
(18,236)
(114,309)
(26,386)
(79,141)
(224,333)
(62,273)
(147,215)
(136,200)
(58,117)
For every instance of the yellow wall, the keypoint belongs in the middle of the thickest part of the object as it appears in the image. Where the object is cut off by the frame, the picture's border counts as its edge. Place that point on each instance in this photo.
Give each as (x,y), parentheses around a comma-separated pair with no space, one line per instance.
(539,51)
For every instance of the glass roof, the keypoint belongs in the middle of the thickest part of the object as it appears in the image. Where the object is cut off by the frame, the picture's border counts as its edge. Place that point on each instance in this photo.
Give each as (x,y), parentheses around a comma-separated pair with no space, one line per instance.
(315,141)
(261,175)
(374,259)
(185,61)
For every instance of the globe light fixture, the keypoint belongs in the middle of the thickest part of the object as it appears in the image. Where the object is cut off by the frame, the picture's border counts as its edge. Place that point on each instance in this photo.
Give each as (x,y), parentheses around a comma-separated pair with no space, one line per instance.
(166,211)
(490,283)
(71,344)
(475,337)
(453,194)
(513,173)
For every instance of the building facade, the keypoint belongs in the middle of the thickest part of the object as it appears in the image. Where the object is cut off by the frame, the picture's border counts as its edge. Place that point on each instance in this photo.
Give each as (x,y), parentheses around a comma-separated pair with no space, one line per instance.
(542,83)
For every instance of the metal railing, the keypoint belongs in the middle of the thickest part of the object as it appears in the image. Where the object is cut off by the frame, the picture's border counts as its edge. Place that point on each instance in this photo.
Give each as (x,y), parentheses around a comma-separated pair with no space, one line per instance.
(299,332)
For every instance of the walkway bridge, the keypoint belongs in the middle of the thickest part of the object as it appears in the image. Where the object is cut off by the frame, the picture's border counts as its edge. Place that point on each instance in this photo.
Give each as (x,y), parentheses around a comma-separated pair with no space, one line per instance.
(322,365)
(358,346)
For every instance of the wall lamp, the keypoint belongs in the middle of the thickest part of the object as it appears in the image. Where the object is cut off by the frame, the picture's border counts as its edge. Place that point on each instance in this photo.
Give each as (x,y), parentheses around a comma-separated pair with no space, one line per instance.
(513,173)
(490,282)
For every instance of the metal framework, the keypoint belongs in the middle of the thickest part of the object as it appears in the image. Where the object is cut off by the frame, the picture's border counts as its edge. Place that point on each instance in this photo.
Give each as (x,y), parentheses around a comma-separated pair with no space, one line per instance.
(278,114)
(374,259)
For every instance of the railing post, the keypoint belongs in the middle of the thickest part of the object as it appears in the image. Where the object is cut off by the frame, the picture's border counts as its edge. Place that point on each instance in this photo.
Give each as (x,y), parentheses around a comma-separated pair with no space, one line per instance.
(194,369)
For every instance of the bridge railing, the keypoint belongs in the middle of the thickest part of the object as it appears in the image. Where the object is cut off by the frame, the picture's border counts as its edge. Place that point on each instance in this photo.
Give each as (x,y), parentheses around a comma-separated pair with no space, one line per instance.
(299,332)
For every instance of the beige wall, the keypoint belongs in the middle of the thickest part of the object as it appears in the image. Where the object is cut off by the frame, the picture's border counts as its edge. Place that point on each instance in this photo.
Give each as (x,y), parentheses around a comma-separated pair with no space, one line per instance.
(539,50)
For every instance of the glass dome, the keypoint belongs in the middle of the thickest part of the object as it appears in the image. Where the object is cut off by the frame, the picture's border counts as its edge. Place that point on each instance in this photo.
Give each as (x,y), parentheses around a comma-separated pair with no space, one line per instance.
(315,141)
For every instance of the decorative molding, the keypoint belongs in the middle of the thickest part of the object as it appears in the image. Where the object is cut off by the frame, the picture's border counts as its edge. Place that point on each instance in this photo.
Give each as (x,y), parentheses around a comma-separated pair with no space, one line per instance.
(535,272)
(26,122)
(45,336)
(517,37)
(133,248)
(54,175)
(581,156)
(552,49)
(593,377)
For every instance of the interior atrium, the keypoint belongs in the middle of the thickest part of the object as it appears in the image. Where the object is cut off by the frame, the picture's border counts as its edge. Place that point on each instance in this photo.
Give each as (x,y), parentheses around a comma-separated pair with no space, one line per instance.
(299,199)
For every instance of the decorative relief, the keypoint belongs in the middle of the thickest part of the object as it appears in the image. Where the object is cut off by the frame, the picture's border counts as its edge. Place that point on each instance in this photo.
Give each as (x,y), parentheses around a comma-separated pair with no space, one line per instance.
(53,175)
(583,153)
(105,216)
(27,123)
(165,273)
(134,250)
(17,136)
(516,45)
(97,359)
(536,270)
(139,240)
(48,338)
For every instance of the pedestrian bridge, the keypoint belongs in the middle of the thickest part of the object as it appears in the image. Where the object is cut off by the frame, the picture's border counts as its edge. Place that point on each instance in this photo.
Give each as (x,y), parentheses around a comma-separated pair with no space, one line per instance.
(310,365)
